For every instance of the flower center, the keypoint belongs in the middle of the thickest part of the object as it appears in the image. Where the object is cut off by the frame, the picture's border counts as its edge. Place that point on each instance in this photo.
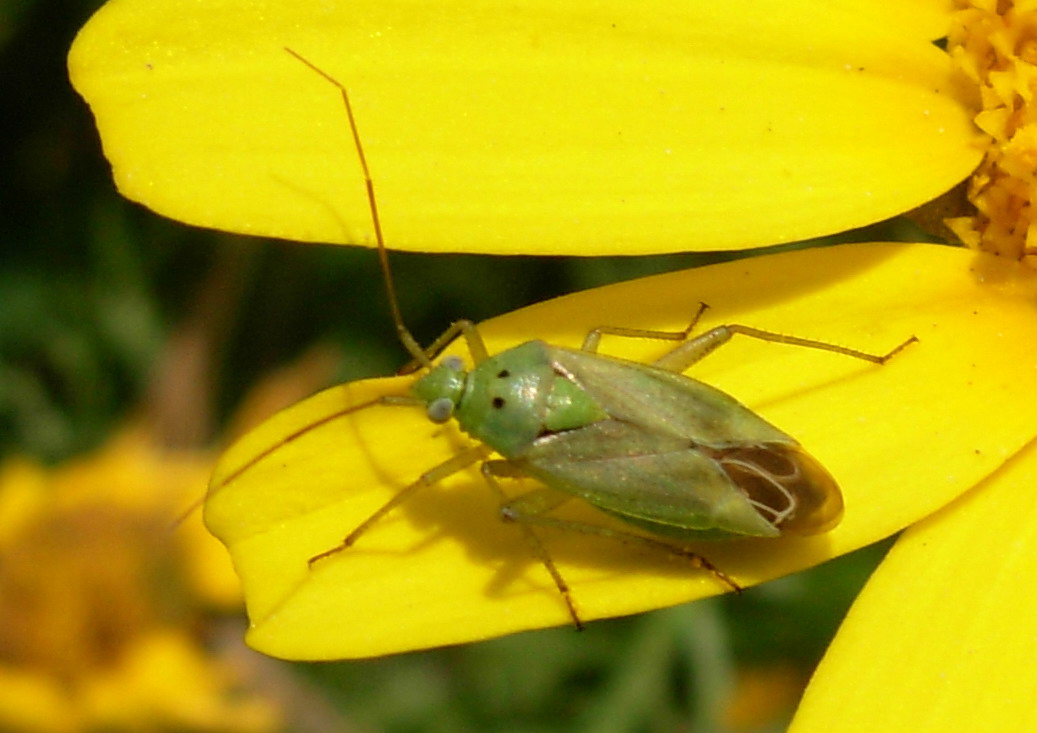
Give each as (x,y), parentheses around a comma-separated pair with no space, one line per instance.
(994,42)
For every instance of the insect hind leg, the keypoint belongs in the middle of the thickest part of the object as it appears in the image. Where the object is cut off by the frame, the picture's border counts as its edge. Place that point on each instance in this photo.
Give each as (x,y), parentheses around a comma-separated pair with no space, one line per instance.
(687,354)
(691,351)
(493,469)
(513,512)
(532,508)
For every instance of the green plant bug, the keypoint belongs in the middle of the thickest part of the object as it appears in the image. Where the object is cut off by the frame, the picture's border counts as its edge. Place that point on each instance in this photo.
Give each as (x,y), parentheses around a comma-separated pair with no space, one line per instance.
(673,458)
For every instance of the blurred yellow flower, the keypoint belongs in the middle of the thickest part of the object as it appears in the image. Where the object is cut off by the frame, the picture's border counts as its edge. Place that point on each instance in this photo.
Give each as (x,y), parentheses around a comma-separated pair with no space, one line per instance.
(102,600)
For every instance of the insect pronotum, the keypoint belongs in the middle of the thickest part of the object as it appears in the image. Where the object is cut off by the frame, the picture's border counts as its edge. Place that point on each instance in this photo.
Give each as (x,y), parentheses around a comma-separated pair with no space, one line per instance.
(672,457)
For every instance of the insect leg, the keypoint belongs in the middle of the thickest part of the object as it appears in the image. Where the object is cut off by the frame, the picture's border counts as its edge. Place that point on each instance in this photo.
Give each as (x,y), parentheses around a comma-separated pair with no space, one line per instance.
(432,476)
(493,469)
(472,337)
(593,338)
(384,400)
(531,509)
(701,346)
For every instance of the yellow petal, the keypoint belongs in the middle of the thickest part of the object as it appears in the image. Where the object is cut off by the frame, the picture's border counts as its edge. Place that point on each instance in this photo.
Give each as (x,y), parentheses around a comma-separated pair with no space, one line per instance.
(956,593)
(35,701)
(903,440)
(604,127)
(925,19)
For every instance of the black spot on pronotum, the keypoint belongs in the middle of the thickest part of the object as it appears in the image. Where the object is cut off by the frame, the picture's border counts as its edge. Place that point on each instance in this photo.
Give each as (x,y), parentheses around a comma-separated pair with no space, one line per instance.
(498,402)
(503,374)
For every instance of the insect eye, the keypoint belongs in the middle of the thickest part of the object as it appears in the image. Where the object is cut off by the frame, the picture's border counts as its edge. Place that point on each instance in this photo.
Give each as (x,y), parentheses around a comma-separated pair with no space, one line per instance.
(453,363)
(498,402)
(440,410)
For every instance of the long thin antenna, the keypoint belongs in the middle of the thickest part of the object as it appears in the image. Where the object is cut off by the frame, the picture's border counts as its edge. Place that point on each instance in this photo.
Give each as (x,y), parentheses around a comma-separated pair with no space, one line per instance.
(409,342)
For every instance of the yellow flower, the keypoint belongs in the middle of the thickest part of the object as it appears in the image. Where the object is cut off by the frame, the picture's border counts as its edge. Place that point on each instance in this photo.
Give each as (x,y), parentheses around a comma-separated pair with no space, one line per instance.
(98,596)
(625,127)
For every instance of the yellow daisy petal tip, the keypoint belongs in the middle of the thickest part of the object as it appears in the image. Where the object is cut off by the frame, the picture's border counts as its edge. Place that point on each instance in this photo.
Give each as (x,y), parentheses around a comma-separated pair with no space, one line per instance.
(957,589)
(441,568)
(610,128)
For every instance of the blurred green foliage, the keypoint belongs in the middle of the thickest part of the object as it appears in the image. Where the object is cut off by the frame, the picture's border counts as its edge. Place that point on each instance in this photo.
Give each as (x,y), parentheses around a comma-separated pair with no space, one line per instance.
(91,289)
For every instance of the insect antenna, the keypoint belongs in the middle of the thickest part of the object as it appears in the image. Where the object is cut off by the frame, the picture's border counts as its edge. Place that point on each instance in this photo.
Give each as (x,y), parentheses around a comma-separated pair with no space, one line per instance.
(406,338)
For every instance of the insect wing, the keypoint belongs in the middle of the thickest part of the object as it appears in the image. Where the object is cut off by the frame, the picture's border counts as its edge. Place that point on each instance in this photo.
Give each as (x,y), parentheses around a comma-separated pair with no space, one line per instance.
(665,402)
(785,484)
(650,478)
(680,456)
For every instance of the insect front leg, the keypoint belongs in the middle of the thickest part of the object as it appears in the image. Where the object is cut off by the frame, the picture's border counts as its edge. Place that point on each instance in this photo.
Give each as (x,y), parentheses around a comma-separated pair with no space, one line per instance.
(593,338)
(503,469)
(465,328)
(433,476)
